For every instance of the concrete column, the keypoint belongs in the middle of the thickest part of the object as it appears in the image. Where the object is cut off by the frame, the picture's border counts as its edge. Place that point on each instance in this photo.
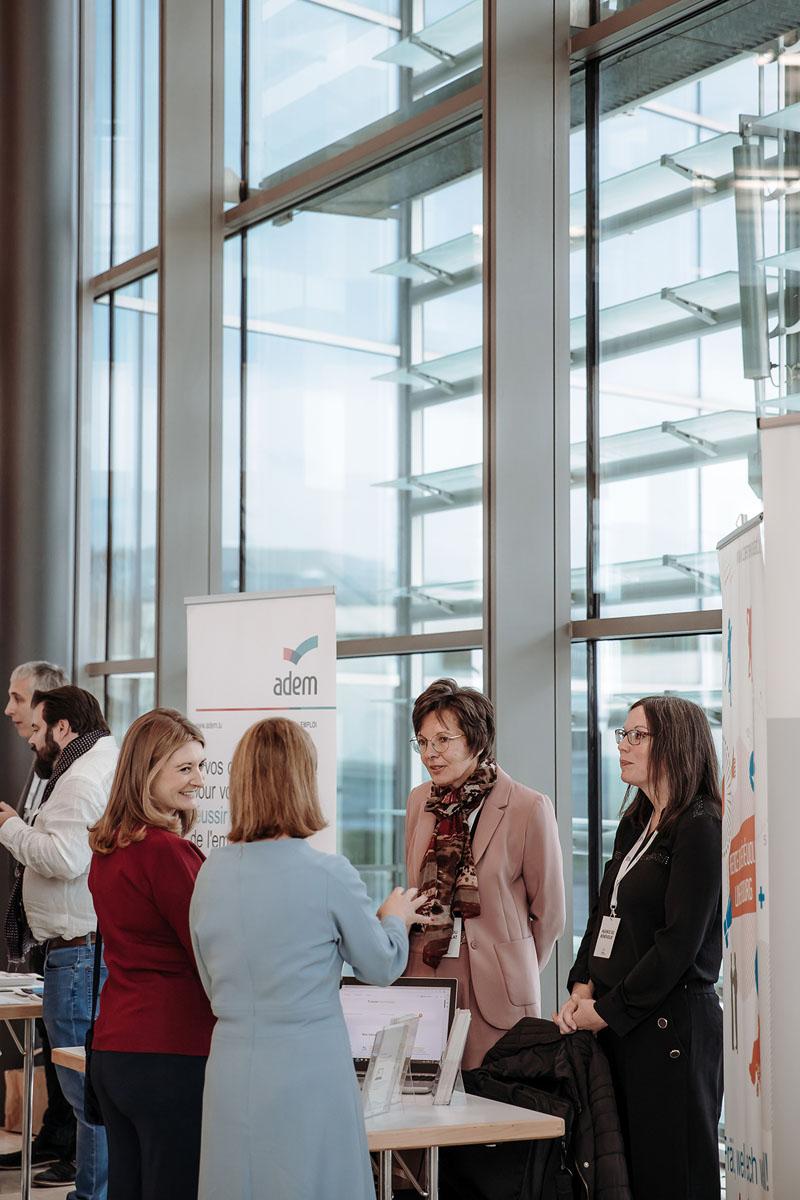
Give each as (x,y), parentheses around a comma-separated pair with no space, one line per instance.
(526,344)
(39,206)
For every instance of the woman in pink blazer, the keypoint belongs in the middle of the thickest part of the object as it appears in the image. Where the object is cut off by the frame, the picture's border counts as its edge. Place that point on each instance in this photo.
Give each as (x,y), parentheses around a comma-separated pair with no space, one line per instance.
(486,849)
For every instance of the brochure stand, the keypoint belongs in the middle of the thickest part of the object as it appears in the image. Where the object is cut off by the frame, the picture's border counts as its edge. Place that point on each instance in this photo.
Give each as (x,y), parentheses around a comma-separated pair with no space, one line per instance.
(449,1080)
(388,1066)
(411,1025)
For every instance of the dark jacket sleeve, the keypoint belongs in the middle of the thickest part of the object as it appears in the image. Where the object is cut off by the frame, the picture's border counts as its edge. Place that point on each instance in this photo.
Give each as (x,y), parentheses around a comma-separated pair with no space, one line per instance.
(693,892)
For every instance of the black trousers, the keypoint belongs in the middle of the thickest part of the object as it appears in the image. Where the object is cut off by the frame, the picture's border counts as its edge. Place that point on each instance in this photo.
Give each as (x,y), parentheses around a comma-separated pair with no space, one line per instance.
(667,1076)
(152,1107)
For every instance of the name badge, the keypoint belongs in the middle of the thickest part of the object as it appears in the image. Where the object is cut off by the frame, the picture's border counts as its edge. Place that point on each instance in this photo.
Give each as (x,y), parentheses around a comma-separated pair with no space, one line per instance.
(606,937)
(454,949)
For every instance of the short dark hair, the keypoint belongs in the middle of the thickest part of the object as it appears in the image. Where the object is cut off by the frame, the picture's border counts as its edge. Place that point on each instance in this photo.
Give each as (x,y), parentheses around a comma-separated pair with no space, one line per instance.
(682,753)
(72,704)
(475,712)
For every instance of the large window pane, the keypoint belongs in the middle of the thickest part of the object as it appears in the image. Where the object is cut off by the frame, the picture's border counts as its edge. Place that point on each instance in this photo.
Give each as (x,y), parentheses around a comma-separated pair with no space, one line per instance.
(627,670)
(700,244)
(124,461)
(321,73)
(125,209)
(377,767)
(126,698)
(363,414)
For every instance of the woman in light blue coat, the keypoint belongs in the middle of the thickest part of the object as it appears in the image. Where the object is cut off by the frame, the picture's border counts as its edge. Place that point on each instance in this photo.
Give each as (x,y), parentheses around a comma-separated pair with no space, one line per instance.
(272,921)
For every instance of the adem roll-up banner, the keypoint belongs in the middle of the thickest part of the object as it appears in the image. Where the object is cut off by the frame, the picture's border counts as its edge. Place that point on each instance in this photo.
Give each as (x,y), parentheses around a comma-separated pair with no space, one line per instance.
(746,892)
(249,657)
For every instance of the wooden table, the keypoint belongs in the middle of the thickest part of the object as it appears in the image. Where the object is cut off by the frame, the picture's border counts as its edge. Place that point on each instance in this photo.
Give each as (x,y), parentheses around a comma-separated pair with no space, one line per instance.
(418,1124)
(25,1010)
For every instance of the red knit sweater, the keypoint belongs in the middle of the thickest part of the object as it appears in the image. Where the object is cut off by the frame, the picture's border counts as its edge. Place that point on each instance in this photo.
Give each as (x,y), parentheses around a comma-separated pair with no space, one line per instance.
(153,1001)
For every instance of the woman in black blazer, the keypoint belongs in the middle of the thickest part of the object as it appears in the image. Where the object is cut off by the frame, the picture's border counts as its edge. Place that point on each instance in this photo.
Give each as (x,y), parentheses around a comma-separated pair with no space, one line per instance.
(646,968)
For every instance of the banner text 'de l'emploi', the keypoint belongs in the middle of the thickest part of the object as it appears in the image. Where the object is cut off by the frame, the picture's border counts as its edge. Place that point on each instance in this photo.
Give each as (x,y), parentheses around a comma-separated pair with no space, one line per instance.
(256,656)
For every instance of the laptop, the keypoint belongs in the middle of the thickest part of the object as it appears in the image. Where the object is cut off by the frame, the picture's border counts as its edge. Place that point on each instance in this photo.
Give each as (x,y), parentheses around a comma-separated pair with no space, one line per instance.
(368,1008)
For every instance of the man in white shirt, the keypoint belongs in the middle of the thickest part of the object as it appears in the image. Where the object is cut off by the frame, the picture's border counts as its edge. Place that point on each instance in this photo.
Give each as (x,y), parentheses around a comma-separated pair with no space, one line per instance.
(51,902)
(54,1144)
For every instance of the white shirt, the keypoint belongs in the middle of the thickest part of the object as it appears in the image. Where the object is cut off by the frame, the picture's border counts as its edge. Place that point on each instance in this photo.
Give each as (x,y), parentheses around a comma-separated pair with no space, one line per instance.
(55,851)
(33,799)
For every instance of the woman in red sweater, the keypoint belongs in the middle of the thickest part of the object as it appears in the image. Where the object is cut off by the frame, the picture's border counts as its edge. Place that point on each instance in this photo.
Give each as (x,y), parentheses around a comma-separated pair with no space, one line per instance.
(153,1033)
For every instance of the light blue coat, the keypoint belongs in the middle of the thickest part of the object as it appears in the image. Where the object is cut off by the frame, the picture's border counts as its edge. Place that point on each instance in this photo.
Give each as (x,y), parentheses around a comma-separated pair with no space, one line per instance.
(272,922)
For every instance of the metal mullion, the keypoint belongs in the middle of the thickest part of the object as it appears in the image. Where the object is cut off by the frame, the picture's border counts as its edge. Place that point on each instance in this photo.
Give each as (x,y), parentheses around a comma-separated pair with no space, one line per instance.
(643,19)
(592,262)
(124,273)
(594,807)
(137,472)
(112,183)
(244,135)
(120,666)
(110,474)
(592,259)
(382,149)
(415,643)
(243,308)
(669,624)
(141,169)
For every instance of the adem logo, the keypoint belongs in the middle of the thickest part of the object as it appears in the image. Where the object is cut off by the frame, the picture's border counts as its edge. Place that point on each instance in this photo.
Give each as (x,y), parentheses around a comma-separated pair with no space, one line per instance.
(294,684)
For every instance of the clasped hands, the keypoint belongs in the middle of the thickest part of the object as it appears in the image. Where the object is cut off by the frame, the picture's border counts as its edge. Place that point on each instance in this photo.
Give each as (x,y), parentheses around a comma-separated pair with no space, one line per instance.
(578,1012)
(6,811)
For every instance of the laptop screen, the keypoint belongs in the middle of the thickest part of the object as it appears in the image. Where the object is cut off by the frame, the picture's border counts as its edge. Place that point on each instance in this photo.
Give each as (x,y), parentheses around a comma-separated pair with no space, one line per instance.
(367,1009)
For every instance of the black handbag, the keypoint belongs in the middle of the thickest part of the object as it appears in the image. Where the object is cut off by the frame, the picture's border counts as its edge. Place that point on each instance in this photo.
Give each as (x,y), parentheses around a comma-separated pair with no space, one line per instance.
(92,1113)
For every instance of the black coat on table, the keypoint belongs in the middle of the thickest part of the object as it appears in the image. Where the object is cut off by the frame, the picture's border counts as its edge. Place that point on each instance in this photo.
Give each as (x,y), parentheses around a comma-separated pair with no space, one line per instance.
(534,1066)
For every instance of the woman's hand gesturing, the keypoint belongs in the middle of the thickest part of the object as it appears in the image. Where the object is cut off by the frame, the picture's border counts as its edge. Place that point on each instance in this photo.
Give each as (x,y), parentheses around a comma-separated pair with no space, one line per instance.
(405,904)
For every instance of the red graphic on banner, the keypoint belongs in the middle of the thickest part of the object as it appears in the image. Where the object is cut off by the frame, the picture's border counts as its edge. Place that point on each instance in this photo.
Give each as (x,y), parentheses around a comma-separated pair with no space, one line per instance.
(742,869)
(755,1062)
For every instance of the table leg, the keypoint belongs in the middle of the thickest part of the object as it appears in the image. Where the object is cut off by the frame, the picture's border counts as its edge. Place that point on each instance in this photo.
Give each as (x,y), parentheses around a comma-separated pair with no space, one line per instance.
(432,1172)
(27,1109)
(385,1175)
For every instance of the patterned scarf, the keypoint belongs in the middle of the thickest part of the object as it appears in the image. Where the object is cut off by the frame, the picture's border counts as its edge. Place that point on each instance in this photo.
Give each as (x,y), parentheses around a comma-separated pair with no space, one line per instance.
(19,939)
(448,869)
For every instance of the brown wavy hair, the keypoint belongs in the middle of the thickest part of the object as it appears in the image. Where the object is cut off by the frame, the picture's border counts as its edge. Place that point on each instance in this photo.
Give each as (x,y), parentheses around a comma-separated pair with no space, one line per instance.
(682,753)
(131,810)
(473,710)
(274,783)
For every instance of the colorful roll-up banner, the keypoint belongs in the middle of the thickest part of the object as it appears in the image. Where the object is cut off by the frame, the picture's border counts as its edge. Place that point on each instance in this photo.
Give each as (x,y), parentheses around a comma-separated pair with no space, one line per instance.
(745,868)
(256,656)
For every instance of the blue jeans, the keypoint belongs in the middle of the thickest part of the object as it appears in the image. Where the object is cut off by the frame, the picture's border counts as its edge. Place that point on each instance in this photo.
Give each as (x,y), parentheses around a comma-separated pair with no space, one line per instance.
(66,1009)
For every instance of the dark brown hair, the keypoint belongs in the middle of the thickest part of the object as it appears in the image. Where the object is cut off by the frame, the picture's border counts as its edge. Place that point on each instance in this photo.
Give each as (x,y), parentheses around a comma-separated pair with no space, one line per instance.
(131,810)
(682,753)
(74,705)
(473,710)
(274,783)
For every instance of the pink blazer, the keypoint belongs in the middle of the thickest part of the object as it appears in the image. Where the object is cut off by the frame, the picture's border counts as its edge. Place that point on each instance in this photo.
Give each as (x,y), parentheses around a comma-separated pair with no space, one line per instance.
(521,884)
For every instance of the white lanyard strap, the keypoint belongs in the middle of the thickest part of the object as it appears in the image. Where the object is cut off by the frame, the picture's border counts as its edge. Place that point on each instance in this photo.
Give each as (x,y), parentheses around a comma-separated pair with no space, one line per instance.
(629,862)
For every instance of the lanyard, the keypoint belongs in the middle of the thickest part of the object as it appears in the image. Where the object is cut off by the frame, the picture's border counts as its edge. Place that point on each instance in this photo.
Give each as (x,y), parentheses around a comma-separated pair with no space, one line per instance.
(629,862)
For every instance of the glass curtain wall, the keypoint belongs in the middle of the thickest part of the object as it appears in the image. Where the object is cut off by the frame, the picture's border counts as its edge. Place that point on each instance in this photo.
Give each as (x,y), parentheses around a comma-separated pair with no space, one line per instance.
(121,397)
(122,487)
(352,364)
(684,237)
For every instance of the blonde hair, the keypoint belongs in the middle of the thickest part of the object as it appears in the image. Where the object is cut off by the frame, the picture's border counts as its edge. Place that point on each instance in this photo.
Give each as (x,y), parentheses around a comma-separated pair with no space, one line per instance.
(273,785)
(131,810)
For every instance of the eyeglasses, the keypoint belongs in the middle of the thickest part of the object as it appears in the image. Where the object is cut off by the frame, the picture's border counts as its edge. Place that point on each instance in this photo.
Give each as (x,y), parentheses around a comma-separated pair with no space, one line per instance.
(438,743)
(634,736)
